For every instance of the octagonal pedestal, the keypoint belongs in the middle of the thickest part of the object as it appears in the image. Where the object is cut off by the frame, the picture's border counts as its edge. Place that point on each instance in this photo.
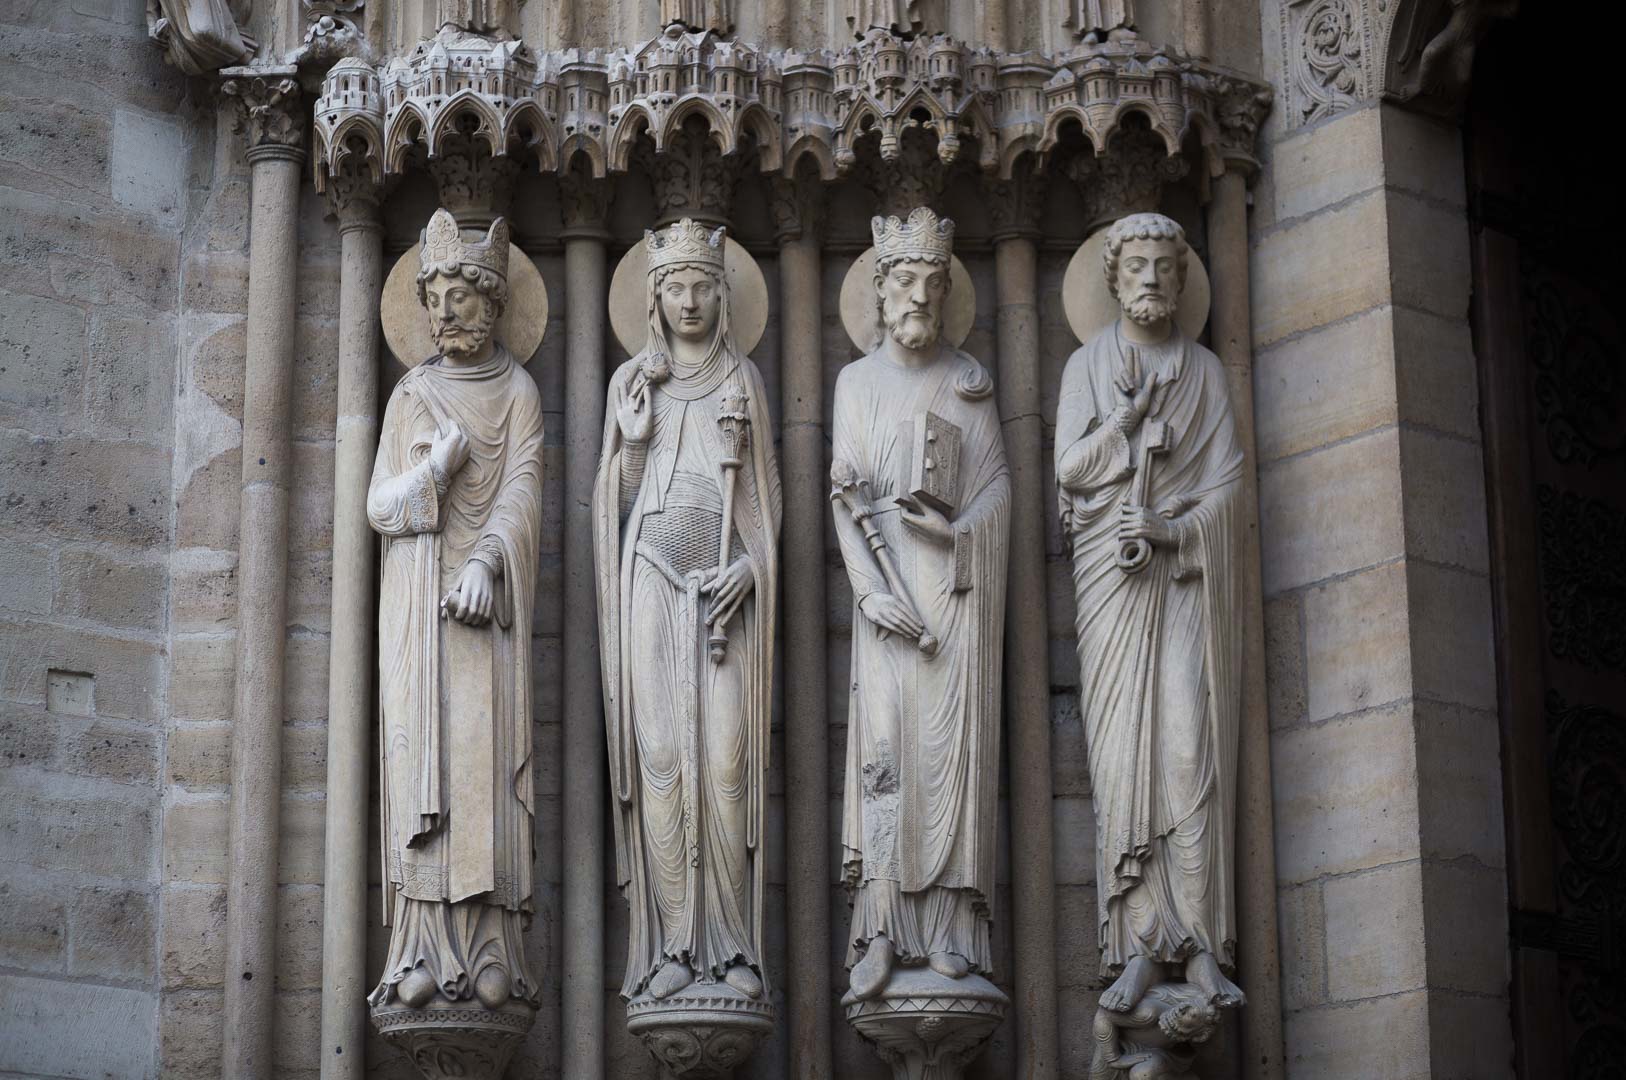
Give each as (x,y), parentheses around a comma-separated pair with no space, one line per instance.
(463,1040)
(928,1026)
(703,1032)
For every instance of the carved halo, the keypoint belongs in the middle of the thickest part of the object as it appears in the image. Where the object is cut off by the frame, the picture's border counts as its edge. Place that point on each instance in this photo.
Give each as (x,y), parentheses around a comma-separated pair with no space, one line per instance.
(406,324)
(860,307)
(1091,307)
(747,297)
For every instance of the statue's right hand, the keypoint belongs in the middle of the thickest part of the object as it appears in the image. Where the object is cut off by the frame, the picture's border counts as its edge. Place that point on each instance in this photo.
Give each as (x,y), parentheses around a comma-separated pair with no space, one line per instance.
(633,412)
(1142,392)
(890,613)
(449,451)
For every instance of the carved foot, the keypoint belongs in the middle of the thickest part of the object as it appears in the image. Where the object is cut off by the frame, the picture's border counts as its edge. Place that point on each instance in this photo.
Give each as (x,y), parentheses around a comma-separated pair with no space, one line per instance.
(949,965)
(416,989)
(1126,993)
(743,979)
(870,975)
(673,976)
(1204,970)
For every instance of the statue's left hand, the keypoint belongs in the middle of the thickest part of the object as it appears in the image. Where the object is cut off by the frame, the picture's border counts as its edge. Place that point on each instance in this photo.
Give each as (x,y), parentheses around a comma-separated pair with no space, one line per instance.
(927,521)
(728,590)
(475,597)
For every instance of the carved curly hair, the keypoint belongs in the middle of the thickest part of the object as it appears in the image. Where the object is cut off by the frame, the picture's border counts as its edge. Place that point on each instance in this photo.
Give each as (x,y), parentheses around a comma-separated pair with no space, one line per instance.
(492,286)
(1141,227)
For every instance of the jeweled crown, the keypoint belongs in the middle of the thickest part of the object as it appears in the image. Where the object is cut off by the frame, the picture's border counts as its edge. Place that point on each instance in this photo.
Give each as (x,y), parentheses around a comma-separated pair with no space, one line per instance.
(923,236)
(443,243)
(685,242)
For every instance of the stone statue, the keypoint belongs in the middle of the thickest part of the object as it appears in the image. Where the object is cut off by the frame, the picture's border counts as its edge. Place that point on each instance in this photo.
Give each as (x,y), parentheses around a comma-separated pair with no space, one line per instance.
(456,494)
(921,495)
(1095,21)
(893,16)
(201,36)
(696,15)
(1157,1039)
(1149,471)
(686,512)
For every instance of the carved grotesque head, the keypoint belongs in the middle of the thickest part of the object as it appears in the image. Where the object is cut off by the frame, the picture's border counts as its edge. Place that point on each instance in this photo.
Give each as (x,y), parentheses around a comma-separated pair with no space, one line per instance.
(1191,1017)
(463,284)
(1145,263)
(912,280)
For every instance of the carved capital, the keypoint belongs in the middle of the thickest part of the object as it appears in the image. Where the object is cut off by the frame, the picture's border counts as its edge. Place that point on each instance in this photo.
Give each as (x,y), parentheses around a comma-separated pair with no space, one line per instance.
(692,178)
(797,207)
(1240,108)
(1014,205)
(474,185)
(272,119)
(353,196)
(1128,178)
(912,176)
(584,203)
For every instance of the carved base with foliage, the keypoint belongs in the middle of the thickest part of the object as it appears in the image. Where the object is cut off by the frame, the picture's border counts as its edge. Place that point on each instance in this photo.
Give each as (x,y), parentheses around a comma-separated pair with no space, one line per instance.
(928,1026)
(464,1040)
(701,1033)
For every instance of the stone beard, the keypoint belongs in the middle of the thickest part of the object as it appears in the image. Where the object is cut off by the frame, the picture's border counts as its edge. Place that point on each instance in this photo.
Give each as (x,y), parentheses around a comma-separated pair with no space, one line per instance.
(456,495)
(1159,646)
(687,650)
(920,796)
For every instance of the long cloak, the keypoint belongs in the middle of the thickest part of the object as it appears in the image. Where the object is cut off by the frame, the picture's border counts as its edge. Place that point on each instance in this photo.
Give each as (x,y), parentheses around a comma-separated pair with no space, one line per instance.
(617,518)
(922,813)
(1159,651)
(455,777)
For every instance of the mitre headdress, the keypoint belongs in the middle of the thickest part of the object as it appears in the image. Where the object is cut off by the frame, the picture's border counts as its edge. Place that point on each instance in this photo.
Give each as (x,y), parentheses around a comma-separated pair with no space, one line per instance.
(686,243)
(443,245)
(924,236)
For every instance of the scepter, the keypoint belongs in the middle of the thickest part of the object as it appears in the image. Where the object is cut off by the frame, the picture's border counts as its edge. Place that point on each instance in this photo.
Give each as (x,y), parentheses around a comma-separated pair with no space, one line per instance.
(853,491)
(736,430)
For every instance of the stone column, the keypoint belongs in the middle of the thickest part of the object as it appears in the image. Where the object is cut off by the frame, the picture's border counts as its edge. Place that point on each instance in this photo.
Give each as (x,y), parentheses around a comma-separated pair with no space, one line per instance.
(807,725)
(1258,962)
(584,206)
(274,123)
(1027,630)
(354,199)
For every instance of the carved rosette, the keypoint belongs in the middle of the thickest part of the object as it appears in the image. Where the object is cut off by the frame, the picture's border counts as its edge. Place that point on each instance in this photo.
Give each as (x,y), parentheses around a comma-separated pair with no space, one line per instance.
(465,1041)
(271,120)
(928,1026)
(703,1032)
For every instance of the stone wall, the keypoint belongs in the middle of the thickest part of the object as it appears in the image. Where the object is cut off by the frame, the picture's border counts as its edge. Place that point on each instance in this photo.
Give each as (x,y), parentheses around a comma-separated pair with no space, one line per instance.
(1385,750)
(98,151)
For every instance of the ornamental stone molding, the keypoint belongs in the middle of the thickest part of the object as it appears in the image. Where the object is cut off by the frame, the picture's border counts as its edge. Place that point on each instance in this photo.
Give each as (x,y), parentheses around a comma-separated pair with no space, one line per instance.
(986,109)
(271,120)
(1339,53)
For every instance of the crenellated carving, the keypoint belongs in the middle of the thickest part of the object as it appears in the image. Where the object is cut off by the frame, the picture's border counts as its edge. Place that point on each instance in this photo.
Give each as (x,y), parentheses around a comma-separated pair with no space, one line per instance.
(654,90)
(271,119)
(456,77)
(347,132)
(769,110)
(884,86)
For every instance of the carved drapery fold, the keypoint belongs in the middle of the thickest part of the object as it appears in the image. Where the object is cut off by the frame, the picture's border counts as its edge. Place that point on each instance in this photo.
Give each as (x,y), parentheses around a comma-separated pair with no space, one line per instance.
(200,36)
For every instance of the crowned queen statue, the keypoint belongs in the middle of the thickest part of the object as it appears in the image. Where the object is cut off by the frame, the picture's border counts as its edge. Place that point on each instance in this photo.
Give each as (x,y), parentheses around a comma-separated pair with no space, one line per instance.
(921,495)
(686,512)
(456,496)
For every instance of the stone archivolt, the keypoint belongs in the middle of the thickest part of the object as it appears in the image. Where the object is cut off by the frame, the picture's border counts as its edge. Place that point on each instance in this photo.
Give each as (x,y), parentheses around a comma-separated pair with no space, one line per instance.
(984,107)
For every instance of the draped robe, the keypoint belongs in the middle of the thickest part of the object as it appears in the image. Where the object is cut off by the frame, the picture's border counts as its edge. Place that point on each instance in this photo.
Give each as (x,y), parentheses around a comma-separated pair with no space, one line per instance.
(1159,651)
(920,800)
(688,739)
(456,786)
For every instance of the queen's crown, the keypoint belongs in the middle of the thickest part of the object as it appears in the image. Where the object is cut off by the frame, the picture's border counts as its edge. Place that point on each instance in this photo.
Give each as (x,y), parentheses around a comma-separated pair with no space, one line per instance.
(923,236)
(687,242)
(443,245)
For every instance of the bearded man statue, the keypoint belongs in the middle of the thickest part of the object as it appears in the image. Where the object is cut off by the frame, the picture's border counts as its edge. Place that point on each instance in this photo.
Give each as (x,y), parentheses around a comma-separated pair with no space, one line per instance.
(456,495)
(921,495)
(1149,470)
(686,513)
